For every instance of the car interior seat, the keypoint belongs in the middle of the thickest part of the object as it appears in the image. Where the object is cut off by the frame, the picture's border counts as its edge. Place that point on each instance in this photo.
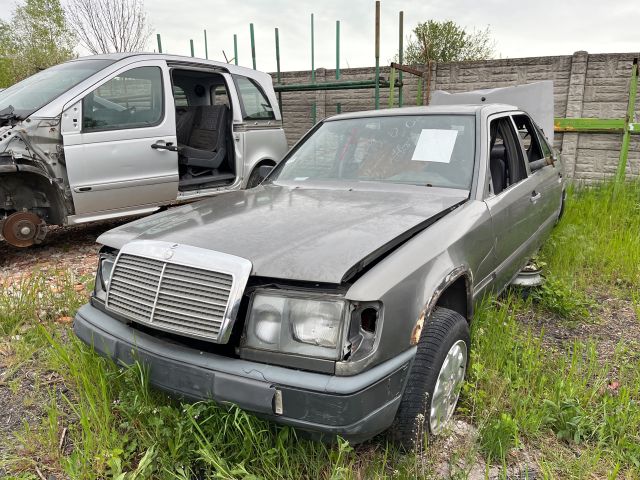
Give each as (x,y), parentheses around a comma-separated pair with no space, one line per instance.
(201,134)
(498,167)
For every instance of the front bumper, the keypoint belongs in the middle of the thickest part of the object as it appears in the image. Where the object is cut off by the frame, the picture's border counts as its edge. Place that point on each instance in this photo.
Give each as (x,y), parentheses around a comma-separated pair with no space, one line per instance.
(356,407)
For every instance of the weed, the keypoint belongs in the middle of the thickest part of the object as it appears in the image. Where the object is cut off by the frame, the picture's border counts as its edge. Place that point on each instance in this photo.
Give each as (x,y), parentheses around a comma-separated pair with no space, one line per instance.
(498,437)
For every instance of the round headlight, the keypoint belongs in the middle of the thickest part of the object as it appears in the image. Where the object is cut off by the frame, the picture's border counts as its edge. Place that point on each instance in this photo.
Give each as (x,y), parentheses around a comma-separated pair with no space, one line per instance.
(267,320)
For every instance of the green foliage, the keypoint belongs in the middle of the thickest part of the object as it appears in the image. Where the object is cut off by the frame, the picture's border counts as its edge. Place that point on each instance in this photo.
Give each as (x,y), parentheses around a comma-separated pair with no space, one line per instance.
(557,297)
(498,437)
(447,41)
(37,37)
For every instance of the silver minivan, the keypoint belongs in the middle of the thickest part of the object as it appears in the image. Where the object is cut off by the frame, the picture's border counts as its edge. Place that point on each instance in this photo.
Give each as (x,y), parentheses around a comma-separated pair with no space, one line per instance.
(108,136)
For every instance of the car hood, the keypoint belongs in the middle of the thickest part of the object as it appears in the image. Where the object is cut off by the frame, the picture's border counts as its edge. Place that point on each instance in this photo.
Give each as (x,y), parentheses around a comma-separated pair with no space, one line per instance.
(309,234)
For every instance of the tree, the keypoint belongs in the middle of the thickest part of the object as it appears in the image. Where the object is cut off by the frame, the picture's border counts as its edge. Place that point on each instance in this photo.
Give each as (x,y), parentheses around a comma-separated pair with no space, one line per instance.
(107,26)
(447,42)
(37,37)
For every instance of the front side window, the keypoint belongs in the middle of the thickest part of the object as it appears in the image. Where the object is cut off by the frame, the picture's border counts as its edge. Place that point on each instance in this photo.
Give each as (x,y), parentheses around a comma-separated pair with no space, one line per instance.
(425,150)
(254,102)
(506,163)
(132,99)
(33,93)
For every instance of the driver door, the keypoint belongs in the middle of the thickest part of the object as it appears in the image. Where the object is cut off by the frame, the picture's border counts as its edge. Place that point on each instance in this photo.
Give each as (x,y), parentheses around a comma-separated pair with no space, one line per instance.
(115,142)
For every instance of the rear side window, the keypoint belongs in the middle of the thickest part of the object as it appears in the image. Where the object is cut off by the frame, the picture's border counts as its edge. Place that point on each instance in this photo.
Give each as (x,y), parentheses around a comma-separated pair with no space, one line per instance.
(132,99)
(529,137)
(255,105)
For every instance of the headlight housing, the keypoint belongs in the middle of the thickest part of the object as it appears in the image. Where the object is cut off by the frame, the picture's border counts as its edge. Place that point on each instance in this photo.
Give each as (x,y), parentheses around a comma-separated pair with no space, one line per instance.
(106,261)
(299,324)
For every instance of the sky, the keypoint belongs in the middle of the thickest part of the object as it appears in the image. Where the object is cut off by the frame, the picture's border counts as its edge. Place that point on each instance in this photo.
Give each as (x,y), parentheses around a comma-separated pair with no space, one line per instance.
(520,29)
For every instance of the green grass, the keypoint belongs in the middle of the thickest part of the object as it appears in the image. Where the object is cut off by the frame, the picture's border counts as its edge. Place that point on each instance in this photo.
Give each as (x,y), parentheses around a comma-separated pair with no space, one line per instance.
(520,395)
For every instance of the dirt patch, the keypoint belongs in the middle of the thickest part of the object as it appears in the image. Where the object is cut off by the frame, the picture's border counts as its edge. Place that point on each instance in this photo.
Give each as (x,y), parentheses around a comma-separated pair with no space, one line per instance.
(73,248)
(613,322)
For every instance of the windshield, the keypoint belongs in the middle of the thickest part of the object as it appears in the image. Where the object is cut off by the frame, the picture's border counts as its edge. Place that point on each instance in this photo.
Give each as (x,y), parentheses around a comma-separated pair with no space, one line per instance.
(36,91)
(428,150)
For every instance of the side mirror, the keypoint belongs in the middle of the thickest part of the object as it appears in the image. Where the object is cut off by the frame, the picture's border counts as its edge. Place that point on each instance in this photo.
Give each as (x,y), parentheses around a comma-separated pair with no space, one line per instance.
(264,170)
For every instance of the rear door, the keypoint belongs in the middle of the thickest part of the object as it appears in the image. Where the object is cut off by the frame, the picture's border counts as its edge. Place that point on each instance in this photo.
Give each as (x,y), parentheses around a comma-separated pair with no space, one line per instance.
(115,138)
(512,200)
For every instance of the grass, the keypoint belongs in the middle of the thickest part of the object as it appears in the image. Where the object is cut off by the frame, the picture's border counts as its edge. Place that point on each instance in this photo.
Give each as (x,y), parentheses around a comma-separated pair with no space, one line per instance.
(575,414)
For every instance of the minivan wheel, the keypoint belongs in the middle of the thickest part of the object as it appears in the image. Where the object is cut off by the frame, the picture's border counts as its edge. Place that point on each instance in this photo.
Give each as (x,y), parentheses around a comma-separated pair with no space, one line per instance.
(23,229)
(435,380)
(255,178)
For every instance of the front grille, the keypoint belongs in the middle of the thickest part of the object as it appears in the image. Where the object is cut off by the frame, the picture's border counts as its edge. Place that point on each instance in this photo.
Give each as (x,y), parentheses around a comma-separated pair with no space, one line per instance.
(178,298)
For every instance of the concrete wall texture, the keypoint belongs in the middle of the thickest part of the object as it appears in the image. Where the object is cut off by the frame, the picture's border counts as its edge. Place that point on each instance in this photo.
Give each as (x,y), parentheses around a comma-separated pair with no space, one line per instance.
(585,85)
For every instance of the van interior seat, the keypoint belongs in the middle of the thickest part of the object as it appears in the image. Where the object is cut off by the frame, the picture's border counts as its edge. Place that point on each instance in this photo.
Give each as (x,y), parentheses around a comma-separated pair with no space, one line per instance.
(498,167)
(201,134)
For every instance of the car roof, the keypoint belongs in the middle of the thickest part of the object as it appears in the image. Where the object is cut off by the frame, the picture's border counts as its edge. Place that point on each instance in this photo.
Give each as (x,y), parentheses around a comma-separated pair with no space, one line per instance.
(249,72)
(464,109)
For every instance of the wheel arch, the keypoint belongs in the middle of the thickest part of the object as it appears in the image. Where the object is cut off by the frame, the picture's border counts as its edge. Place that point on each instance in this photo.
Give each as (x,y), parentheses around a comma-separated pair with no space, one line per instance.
(32,191)
(454,292)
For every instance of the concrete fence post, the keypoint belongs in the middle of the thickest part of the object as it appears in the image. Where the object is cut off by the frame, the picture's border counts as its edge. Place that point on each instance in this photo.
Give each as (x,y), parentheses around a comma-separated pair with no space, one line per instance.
(575,101)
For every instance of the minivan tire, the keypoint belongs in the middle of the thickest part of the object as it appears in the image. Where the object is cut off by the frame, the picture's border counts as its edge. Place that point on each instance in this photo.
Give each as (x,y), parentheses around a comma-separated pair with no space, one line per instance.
(443,331)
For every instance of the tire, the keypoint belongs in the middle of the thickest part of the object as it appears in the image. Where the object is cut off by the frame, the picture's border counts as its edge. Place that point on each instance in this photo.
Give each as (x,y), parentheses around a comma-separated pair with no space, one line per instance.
(445,330)
(563,199)
(255,178)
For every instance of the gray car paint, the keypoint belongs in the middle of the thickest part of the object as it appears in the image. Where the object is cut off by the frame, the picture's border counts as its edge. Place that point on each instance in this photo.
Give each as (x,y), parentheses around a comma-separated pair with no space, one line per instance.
(317,233)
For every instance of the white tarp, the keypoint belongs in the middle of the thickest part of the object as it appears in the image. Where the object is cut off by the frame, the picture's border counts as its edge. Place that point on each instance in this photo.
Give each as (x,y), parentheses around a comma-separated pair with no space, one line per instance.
(534,98)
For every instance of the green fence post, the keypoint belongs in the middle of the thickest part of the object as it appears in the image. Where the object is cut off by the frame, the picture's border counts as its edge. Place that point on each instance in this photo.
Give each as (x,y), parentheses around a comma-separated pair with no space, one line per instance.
(191,43)
(392,87)
(377,92)
(253,46)
(400,55)
(278,54)
(235,48)
(626,137)
(338,105)
(313,68)
(206,47)
(159,43)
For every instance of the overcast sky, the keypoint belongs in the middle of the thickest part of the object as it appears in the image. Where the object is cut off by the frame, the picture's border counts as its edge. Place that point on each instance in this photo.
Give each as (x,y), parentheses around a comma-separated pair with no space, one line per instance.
(520,29)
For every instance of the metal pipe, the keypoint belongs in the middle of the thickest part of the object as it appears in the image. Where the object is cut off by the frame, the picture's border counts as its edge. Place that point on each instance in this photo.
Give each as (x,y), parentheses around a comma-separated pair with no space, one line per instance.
(235,48)
(206,46)
(278,54)
(392,87)
(343,85)
(159,43)
(377,92)
(338,105)
(191,43)
(313,68)
(337,49)
(626,138)
(253,46)
(400,54)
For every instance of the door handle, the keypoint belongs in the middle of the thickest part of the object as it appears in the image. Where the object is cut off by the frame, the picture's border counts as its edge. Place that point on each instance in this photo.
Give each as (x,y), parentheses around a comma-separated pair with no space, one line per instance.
(164,146)
(535,196)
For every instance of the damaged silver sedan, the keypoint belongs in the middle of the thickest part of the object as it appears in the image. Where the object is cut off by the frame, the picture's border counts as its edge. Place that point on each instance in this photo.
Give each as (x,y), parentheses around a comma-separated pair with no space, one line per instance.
(336,296)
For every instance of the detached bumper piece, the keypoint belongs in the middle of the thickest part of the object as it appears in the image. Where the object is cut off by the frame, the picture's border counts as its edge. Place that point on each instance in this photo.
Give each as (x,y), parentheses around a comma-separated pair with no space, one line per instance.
(356,407)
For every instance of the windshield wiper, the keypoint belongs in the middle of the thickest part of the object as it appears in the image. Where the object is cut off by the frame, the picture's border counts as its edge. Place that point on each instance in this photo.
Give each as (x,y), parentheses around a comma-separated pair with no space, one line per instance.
(7,114)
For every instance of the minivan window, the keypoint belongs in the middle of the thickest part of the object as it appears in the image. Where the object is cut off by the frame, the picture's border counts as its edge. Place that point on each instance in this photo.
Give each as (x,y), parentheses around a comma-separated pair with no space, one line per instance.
(132,99)
(255,104)
(36,91)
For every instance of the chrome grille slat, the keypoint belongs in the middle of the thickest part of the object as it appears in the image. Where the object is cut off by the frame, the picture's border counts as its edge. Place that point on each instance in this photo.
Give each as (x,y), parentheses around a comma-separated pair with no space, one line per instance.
(196,283)
(171,296)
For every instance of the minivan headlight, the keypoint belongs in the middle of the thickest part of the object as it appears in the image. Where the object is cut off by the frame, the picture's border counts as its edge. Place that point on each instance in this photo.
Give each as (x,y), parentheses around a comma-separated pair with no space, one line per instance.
(297,324)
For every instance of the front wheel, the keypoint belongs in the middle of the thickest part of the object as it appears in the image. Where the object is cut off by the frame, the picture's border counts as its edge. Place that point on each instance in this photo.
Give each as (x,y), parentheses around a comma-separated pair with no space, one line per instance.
(435,380)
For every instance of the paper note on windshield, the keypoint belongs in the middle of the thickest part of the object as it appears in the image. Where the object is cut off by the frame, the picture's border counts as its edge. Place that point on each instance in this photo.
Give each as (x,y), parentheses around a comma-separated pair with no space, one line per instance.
(435,146)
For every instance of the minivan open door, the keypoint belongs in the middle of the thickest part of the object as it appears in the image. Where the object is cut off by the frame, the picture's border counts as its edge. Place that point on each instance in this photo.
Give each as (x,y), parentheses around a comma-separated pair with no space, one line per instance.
(120,143)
